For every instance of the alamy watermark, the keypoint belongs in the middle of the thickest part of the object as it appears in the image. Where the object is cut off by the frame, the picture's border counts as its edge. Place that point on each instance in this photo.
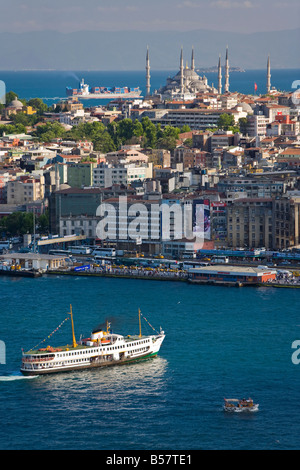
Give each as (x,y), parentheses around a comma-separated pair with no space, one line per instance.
(2,352)
(296,354)
(146,221)
(296,94)
(2,92)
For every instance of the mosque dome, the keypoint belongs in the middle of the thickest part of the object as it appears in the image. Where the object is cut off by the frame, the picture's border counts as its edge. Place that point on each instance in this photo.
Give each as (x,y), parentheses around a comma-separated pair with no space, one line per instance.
(16,104)
(245,107)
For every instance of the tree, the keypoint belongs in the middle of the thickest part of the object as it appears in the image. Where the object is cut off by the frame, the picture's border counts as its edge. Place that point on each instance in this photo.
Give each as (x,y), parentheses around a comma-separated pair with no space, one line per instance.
(11,129)
(149,132)
(17,223)
(125,129)
(103,143)
(243,124)
(167,142)
(225,121)
(138,130)
(38,104)
(43,223)
(10,96)
(49,131)
(185,128)
(188,143)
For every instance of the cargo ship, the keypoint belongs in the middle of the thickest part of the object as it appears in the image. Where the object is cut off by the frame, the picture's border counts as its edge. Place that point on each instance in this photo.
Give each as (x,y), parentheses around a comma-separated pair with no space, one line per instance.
(86,92)
(103,348)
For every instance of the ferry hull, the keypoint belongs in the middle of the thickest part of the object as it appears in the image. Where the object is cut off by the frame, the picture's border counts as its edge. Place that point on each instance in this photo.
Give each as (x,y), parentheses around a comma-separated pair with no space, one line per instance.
(85,92)
(107,96)
(92,365)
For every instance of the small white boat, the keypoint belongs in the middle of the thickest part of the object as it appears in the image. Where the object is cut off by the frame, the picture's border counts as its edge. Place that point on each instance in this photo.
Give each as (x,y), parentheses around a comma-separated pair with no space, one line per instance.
(233,405)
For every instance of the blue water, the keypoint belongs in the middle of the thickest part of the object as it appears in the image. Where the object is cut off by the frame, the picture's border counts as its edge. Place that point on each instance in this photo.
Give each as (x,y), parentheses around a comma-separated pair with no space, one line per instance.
(220,342)
(51,85)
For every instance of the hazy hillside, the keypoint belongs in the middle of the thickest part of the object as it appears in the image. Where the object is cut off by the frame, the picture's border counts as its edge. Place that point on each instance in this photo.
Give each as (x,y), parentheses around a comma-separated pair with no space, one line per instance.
(92,50)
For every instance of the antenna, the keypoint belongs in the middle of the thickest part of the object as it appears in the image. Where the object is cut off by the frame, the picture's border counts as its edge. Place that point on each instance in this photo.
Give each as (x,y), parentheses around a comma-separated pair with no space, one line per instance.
(140,335)
(73,333)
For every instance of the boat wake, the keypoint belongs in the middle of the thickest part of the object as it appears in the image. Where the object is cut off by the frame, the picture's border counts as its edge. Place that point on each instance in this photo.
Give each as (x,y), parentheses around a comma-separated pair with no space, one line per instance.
(11,377)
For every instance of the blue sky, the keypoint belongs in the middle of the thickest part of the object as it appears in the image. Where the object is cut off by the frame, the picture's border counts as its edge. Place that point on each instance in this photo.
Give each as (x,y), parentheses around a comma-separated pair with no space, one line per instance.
(149,15)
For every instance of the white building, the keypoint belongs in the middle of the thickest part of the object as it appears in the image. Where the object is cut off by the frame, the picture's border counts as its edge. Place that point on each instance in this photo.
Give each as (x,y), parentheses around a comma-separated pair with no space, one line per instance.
(257,125)
(105,176)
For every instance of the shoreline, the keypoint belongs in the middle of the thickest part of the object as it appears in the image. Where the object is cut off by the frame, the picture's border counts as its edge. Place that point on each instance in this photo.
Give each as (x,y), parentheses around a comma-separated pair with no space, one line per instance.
(172,278)
(35,274)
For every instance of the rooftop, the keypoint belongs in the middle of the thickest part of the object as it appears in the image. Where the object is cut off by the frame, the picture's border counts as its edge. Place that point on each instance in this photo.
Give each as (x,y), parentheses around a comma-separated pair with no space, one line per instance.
(226,269)
(29,256)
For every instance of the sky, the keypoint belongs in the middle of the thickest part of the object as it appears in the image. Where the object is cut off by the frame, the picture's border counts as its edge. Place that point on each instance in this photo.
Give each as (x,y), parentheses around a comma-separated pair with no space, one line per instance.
(149,15)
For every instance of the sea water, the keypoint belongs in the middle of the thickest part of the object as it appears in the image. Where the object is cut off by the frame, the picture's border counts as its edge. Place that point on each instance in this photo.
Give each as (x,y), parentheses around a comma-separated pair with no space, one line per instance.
(50,85)
(220,343)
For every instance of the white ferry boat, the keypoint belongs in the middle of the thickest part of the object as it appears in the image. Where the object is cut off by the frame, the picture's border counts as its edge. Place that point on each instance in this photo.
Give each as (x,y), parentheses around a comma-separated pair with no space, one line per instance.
(103,348)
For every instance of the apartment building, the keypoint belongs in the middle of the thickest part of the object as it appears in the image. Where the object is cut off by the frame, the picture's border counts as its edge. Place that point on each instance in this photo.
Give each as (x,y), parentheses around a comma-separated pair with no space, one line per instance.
(222,140)
(286,222)
(191,158)
(261,187)
(290,157)
(105,175)
(80,174)
(74,210)
(25,189)
(196,119)
(132,223)
(249,223)
(257,125)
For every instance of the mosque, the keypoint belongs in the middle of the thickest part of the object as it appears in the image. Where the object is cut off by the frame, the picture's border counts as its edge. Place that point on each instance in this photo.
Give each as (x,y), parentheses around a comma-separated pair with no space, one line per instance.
(187,83)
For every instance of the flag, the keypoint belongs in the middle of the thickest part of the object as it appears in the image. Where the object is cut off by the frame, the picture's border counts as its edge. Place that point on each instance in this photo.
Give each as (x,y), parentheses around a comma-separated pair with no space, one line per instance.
(255,86)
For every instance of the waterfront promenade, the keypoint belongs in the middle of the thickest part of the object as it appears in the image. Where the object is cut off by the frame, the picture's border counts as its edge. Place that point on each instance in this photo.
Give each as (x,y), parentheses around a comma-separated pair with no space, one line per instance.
(171,275)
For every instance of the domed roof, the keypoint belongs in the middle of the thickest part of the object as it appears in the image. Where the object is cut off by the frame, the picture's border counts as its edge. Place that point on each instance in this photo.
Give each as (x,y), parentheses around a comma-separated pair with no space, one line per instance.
(16,104)
(188,74)
(246,107)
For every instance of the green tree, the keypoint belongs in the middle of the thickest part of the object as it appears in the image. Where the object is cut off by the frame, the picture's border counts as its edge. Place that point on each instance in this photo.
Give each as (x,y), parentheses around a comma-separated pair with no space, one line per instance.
(42,223)
(170,131)
(12,129)
(243,124)
(49,131)
(185,128)
(104,143)
(188,143)
(17,223)
(10,96)
(125,129)
(138,130)
(166,142)
(225,121)
(149,132)
(38,104)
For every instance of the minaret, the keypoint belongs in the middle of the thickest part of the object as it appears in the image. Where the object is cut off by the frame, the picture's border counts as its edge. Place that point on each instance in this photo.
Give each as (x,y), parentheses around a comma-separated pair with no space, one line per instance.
(193,60)
(226,86)
(147,73)
(220,76)
(181,72)
(268,75)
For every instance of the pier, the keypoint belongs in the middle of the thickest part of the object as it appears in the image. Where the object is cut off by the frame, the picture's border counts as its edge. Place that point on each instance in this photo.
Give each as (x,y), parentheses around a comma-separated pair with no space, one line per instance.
(229,275)
(183,276)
